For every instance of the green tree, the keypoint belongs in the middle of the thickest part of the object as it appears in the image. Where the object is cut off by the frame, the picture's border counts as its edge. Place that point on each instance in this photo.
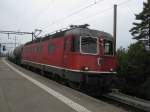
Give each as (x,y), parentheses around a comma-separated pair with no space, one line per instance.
(138,77)
(133,70)
(122,61)
(141,29)
(134,64)
(138,64)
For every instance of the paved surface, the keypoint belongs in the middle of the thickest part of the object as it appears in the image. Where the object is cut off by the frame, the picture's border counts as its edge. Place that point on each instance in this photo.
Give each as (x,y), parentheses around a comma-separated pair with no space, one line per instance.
(18,94)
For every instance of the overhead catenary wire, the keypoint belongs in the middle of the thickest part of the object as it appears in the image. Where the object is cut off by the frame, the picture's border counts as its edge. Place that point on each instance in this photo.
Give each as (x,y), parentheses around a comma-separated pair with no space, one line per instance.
(82,9)
(102,11)
(72,14)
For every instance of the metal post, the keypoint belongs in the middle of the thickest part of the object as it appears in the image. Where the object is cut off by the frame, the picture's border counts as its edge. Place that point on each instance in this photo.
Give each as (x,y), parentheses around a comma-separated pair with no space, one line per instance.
(15,40)
(149,37)
(115,27)
(0,49)
(18,33)
(32,36)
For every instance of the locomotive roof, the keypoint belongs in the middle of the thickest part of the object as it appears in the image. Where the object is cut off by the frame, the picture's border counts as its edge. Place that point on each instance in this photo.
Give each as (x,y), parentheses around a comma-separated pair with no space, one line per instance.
(75,31)
(89,32)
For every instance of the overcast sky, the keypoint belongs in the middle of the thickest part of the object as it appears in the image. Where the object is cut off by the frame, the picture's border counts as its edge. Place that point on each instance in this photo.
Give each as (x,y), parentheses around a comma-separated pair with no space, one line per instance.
(27,15)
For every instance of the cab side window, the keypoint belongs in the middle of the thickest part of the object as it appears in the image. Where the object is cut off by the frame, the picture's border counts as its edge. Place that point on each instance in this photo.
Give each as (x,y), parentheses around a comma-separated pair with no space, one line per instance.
(108,47)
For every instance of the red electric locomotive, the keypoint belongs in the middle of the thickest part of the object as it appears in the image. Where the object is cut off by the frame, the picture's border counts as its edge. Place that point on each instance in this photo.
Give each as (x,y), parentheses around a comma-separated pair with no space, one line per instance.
(79,55)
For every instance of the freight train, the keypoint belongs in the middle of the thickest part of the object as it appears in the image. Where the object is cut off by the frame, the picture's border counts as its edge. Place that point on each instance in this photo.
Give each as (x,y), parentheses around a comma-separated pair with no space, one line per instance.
(78,55)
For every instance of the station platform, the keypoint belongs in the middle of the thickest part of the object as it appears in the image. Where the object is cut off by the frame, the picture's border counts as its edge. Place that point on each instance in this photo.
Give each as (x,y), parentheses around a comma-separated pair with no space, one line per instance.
(24,91)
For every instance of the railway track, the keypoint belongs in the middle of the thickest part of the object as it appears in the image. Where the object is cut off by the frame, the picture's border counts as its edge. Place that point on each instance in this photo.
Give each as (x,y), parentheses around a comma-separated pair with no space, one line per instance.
(137,103)
(132,104)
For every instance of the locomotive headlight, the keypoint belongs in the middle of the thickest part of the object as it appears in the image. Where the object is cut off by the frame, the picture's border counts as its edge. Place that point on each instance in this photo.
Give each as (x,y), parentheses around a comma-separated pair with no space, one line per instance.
(86,68)
(111,69)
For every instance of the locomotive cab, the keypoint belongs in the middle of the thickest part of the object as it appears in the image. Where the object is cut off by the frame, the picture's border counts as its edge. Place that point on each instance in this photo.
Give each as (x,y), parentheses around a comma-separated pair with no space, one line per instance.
(89,56)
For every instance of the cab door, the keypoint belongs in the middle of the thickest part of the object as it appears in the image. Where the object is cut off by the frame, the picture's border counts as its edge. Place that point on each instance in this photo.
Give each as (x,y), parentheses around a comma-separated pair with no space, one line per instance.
(67,47)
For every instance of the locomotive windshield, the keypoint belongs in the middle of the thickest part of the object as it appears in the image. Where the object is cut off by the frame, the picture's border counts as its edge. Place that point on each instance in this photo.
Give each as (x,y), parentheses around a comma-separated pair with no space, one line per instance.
(88,45)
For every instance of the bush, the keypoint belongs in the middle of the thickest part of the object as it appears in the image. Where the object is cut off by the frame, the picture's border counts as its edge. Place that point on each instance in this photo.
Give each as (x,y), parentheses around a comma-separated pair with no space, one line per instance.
(134,70)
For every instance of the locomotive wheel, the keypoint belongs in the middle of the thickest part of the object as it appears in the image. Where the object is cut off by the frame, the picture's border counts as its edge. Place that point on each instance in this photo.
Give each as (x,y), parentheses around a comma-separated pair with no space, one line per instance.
(74,85)
(64,81)
(42,72)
